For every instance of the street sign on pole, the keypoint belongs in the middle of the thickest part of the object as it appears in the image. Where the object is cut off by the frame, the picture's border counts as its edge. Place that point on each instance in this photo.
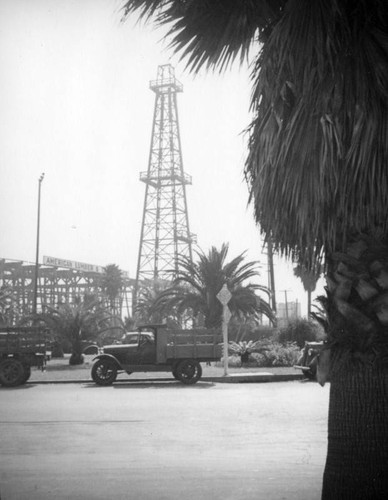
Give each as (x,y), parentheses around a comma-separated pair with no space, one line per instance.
(224,297)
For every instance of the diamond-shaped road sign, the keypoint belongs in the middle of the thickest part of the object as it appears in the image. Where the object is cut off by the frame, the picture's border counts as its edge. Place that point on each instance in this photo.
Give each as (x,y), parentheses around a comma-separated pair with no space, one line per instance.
(224,295)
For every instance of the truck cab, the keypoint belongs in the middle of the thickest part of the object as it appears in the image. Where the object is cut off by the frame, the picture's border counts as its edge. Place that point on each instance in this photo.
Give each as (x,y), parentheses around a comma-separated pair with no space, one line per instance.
(136,347)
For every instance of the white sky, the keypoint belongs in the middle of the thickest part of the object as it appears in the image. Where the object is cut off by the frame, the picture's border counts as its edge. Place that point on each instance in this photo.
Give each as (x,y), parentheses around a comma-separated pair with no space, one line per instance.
(75,104)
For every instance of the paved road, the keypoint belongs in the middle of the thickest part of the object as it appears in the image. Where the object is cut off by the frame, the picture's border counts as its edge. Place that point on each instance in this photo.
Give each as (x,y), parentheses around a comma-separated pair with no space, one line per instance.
(163,441)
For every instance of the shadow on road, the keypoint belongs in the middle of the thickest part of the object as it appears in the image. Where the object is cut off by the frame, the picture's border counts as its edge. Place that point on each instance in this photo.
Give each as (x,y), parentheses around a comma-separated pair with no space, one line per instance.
(17,388)
(152,385)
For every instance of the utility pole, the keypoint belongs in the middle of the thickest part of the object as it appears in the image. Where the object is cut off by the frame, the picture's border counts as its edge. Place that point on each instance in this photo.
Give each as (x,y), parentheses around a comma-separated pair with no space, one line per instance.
(286,303)
(271,275)
(286,310)
(35,299)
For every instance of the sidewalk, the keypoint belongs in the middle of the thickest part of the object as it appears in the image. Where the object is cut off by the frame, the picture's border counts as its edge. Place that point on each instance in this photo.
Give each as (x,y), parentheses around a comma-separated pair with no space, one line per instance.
(59,371)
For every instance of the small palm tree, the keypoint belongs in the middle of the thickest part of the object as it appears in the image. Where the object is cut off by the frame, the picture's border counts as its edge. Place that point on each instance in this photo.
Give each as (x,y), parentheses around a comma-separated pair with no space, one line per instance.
(197,284)
(8,306)
(245,348)
(309,278)
(75,322)
(112,284)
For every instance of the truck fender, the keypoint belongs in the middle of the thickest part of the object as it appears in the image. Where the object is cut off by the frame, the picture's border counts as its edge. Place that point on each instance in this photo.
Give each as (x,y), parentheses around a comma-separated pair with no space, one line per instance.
(109,356)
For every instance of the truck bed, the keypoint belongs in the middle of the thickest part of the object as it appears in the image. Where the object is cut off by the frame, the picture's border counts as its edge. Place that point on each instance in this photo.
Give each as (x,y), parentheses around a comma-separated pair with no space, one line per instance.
(22,340)
(200,344)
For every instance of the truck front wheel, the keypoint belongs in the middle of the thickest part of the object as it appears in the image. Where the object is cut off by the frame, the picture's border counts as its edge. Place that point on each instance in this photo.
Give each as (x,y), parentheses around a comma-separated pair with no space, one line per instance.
(11,373)
(104,372)
(188,371)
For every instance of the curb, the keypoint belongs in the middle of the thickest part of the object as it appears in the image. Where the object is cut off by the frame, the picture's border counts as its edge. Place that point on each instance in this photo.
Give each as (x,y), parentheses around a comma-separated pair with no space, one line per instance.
(234,378)
(253,378)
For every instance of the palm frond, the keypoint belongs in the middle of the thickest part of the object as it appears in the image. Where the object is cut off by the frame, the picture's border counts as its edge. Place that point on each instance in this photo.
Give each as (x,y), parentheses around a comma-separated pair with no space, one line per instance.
(197,284)
(210,33)
(318,144)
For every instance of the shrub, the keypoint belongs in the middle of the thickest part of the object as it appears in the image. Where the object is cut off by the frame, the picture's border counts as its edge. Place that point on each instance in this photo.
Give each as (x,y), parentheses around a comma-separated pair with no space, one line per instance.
(300,331)
(273,354)
(248,330)
(265,333)
(279,354)
(57,350)
(258,360)
(234,361)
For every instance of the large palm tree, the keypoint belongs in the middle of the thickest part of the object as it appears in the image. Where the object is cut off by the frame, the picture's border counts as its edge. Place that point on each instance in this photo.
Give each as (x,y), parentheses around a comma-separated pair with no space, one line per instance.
(197,284)
(317,170)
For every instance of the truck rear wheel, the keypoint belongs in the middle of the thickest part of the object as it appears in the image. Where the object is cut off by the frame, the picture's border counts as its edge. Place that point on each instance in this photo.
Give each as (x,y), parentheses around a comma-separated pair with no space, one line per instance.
(188,371)
(104,372)
(11,373)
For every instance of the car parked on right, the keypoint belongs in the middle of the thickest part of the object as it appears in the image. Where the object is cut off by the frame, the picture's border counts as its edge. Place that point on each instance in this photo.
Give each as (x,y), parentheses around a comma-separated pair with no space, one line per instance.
(308,360)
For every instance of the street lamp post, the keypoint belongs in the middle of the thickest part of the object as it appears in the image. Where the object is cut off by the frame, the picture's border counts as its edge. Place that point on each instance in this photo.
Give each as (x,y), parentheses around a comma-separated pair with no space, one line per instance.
(37,249)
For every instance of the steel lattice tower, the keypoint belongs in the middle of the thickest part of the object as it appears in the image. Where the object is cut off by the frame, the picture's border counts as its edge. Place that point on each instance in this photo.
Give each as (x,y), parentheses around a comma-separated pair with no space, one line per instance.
(165,232)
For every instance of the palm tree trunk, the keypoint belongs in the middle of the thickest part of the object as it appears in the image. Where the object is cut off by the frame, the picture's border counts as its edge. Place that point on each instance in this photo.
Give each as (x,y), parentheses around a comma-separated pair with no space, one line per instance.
(76,357)
(357,291)
(244,358)
(357,457)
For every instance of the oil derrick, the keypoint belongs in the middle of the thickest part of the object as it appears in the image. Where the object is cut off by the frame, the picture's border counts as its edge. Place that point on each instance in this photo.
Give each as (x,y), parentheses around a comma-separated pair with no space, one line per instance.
(165,232)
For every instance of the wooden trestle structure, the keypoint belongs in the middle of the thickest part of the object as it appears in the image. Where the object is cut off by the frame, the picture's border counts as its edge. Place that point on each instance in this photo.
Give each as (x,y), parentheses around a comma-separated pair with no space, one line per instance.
(57,285)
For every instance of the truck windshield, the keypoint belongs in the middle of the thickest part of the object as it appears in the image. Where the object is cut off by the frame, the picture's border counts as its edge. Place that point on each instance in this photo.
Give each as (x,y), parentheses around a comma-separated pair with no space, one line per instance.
(131,338)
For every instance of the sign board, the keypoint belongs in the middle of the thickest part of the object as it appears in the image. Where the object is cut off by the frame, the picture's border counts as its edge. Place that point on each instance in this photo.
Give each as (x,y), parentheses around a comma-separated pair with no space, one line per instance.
(78,266)
(72,264)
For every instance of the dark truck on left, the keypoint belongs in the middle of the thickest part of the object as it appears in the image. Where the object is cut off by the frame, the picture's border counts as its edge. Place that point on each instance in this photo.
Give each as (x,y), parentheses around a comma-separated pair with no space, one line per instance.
(22,347)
